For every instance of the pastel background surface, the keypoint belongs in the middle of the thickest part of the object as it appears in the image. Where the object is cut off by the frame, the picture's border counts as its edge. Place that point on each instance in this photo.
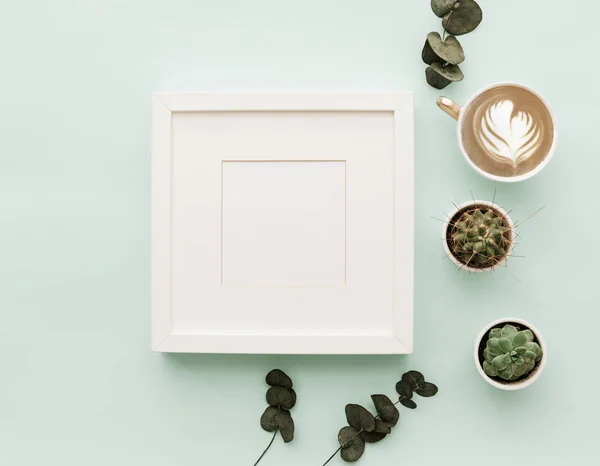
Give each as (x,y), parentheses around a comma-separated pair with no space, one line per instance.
(78,382)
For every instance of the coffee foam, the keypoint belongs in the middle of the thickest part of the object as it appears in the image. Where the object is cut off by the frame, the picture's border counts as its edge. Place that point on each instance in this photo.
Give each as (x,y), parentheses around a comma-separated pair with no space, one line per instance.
(507,131)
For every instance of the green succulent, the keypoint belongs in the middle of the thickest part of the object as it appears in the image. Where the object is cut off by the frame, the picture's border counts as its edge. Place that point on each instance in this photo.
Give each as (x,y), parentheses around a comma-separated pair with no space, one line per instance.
(480,237)
(509,353)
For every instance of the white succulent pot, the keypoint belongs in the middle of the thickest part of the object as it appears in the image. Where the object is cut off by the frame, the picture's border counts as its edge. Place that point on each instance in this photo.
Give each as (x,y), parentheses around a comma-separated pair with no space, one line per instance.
(529,378)
(448,224)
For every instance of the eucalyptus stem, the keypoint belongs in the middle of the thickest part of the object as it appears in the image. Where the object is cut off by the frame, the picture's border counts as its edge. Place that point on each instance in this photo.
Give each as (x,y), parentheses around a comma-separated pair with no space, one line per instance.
(267,449)
(344,444)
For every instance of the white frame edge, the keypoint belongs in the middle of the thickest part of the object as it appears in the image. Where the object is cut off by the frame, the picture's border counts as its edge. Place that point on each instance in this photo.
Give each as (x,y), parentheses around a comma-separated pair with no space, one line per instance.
(400,341)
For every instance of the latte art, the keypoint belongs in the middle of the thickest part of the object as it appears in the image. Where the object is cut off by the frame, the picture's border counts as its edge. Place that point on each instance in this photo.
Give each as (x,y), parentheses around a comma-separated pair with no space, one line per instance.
(507,131)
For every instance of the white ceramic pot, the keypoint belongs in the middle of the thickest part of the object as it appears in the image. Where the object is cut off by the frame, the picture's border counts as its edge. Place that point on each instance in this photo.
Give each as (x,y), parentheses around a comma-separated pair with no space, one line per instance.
(532,376)
(447,225)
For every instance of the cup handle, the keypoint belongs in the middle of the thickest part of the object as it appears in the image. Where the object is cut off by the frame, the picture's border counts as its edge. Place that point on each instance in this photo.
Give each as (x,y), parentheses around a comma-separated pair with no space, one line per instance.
(449,106)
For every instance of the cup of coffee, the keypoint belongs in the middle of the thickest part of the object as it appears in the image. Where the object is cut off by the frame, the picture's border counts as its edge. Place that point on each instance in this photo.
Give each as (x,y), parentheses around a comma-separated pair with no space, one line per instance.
(507,132)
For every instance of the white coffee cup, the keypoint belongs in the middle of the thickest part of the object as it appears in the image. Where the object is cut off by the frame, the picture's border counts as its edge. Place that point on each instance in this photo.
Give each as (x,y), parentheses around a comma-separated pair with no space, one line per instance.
(457,112)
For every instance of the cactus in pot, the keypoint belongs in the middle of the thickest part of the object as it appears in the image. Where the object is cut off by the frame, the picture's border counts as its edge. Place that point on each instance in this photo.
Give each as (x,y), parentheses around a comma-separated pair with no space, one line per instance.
(510,353)
(480,235)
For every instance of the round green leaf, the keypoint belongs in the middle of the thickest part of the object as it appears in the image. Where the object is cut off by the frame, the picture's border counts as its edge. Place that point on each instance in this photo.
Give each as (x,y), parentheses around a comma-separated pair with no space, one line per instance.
(427,389)
(518,360)
(508,331)
(488,356)
(529,334)
(493,347)
(534,348)
(507,373)
(489,369)
(520,370)
(359,418)
(519,339)
(529,356)
(279,396)
(410,404)
(464,19)
(403,388)
(285,423)
(352,445)
(385,409)
(441,7)
(504,344)
(521,350)
(267,420)
(437,50)
(278,378)
(495,333)
(499,363)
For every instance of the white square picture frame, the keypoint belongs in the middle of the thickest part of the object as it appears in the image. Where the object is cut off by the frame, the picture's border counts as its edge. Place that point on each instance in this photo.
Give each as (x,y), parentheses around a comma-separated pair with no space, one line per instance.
(282,223)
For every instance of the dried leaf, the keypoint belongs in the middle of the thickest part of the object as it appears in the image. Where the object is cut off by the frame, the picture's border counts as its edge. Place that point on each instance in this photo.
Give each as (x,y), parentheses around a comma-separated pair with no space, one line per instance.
(285,423)
(267,420)
(441,7)
(352,445)
(464,19)
(279,396)
(360,418)
(404,389)
(386,409)
(427,389)
(410,404)
(278,378)
(437,50)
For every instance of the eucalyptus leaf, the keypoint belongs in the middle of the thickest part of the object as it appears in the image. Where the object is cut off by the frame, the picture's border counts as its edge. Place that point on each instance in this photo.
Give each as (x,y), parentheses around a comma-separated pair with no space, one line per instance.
(386,409)
(441,7)
(436,76)
(360,418)
(403,388)
(438,50)
(279,396)
(427,389)
(395,419)
(450,72)
(372,437)
(413,378)
(410,404)
(464,19)
(278,378)
(267,420)
(352,445)
(285,423)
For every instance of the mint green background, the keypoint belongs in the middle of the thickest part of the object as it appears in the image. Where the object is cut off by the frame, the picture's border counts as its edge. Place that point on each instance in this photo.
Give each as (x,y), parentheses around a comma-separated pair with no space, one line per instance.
(78,383)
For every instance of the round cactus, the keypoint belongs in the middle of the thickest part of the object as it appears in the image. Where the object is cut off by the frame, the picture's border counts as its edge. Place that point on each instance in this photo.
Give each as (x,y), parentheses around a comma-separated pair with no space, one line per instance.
(480,237)
(509,353)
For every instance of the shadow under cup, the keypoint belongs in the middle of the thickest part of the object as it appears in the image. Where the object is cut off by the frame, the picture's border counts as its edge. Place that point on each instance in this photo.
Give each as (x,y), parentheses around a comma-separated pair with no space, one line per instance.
(508,132)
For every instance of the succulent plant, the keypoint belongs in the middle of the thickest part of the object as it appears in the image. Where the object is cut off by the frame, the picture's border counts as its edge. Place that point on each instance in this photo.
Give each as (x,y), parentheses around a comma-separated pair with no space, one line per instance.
(510,353)
(364,427)
(281,397)
(480,236)
(444,53)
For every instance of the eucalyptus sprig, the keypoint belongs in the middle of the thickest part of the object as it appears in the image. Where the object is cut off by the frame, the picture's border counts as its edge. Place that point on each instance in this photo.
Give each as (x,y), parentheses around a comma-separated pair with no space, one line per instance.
(444,53)
(364,427)
(281,397)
